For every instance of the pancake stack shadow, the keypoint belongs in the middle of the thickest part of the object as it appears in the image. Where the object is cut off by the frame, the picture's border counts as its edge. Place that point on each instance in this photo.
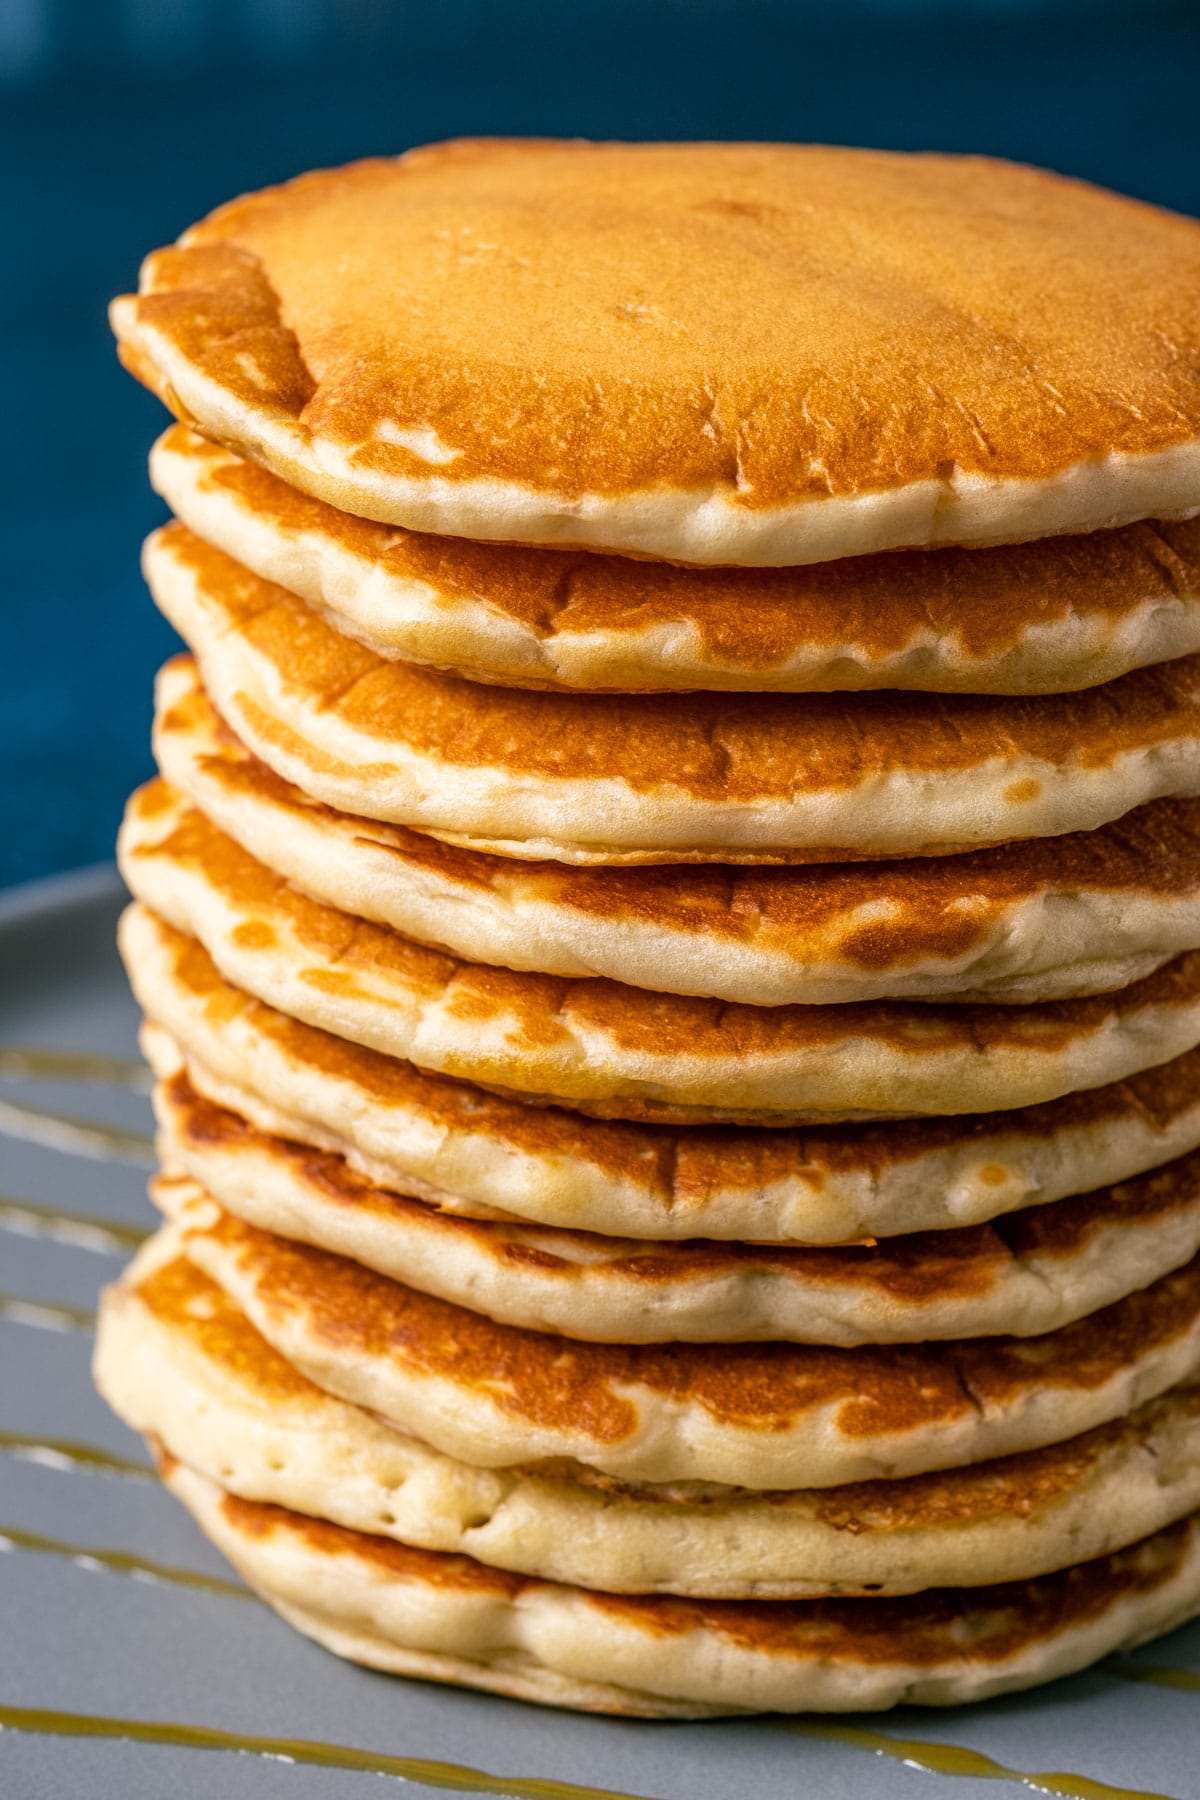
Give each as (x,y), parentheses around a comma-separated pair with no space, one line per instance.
(669,921)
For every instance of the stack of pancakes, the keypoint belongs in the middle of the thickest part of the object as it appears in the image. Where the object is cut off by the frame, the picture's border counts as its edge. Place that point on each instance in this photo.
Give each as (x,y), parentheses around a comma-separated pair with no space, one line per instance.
(669,927)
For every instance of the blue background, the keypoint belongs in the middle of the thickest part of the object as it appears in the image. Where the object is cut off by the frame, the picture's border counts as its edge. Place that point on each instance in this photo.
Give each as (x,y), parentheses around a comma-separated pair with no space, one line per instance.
(123,120)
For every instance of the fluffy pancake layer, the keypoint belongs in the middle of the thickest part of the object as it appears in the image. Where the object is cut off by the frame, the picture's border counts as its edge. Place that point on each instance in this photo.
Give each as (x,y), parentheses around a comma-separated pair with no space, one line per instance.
(482,1155)
(178,1362)
(447,1618)
(640,778)
(745,1415)
(1034,1273)
(1037,921)
(1048,617)
(723,353)
(614,1050)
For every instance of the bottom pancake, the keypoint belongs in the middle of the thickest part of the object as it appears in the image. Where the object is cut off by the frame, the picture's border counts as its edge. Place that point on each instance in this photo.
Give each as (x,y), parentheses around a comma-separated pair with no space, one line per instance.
(178,1361)
(448,1618)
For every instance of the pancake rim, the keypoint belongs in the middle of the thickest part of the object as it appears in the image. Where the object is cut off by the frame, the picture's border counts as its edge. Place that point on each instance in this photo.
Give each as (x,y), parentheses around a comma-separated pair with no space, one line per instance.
(756,1416)
(607,1050)
(1046,1268)
(838,1682)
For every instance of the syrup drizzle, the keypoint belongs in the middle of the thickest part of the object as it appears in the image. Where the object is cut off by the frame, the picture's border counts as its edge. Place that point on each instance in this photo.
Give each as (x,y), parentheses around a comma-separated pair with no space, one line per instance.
(46,1315)
(1184,1681)
(76,1137)
(455,1776)
(75,1065)
(952,1759)
(120,1562)
(67,1454)
(80,1230)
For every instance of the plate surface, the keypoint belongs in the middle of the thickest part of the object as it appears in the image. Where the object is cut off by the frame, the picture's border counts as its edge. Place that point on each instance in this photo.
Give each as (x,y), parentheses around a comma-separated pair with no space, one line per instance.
(107,1666)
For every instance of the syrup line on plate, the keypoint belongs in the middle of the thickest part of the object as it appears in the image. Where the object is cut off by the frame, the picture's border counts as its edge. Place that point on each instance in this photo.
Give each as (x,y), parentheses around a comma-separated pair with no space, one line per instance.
(455,1776)
(953,1759)
(80,1230)
(21,1062)
(77,1137)
(1184,1681)
(47,1315)
(121,1562)
(68,1455)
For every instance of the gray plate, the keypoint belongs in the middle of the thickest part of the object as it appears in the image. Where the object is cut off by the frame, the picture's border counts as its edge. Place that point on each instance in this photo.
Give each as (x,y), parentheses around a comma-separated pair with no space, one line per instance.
(104,1666)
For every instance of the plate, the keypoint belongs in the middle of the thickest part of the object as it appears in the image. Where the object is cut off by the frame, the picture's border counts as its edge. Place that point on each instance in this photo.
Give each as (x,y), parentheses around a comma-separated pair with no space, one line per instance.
(133,1665)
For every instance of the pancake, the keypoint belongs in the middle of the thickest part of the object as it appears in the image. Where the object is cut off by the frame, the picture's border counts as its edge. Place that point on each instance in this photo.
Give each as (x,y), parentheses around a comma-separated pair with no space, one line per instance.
(746,1415)
(178,1362)
(712,353)
(447,1618)
(1049,617)
(1038,921)
(608,1049)
(482,1155)
(677,777)
(1036,1272)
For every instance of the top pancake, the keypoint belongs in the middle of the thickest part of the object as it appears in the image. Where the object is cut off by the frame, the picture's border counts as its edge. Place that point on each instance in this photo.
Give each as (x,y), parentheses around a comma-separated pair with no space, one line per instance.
(714,353)
(1050,617)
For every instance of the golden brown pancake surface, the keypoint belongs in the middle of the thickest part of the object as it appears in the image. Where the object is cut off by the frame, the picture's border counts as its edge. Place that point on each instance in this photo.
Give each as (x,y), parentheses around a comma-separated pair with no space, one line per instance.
(861,1630)
(735,747)
(998,347)
(486,1155)
(445,1616)
(610,1048)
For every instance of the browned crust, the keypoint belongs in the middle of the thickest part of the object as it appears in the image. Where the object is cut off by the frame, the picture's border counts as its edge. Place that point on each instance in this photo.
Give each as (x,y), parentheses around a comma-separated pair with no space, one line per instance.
(681,1166)
(185,1300)
(180,1296)
(990,1624)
